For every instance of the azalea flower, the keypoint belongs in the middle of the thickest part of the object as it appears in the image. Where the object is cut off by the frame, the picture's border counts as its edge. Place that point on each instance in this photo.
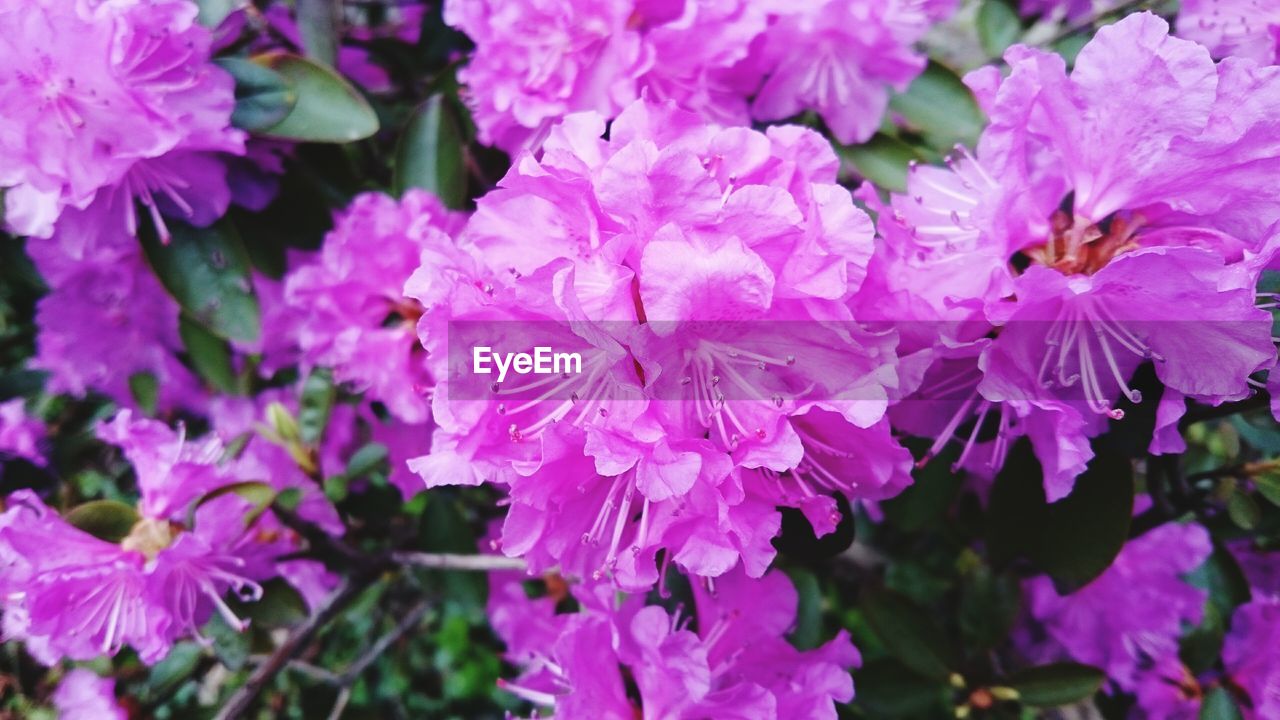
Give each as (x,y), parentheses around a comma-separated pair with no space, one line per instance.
(107,103)
(737,664)
(702,272)
(1111,231)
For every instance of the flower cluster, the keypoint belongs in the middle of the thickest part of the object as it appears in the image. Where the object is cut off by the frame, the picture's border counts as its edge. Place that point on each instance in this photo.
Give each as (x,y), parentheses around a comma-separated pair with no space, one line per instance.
(703,271)
(107,103)
(728,658)
(70,594)
(729,61)
(1092,231)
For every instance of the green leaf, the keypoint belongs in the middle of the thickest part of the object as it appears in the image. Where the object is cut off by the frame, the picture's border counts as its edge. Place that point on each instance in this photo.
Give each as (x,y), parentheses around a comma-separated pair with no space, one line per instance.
(998,27)
(1073,540)
(882,160)
(315,405)
(174,670)
(328,109)
(924,502)
(210,354)
(1219,705)
(365,460)
(1056,685)
(909,633)
(108,520)
(1085,531)
(207,271)
(429,155)
(889,689)
(318,25)
(989,606)
(807,633)
(145,390)
(213,12)
(1243,510)
(280,606)
(259,493)
(940,107)
(1268,485)
(263,97)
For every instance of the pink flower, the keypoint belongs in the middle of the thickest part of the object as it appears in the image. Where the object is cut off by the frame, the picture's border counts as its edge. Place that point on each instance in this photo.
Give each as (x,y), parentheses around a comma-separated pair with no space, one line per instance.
(105,319)
(737,664)
(105,103)
(1233,28)
(72,595)
(1115,215)
(83,695)
(355,317)
(1134,613)
(536,62)
(20,434)
(702,274)
(1249,656)
(840,58)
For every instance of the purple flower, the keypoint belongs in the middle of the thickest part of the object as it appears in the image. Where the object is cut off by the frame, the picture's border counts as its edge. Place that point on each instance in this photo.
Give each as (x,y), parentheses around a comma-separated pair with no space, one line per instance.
(737,664)
(105,103)
(83,695)
(1251,656)
(20,434)
(105,319)
(539,62)
(840,58)
(536,62)
(680,257)
(1133,614)
(355,317)
(1233,28)
(69,594)
(1131,193)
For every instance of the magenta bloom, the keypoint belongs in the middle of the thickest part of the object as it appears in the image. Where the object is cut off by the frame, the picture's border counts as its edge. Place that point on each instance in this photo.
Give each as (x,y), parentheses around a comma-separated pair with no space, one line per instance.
(84,695)
(105,319)
(737,664)
(1233,28)
(539,62)
(536,62)
(1111,231)
(20,434)
(703,272)
(1251,656)
(355,317)
(1134,613)
(68,594)
(840,58)
(106,103)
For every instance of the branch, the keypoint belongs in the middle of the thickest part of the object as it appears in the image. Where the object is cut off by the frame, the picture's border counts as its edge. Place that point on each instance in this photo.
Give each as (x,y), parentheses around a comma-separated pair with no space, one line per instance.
(410,621)
(451,561)
(239,703)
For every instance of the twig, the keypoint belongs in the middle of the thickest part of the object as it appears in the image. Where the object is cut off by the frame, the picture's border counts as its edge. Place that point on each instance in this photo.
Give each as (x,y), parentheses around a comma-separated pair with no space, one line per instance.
(410,621)
(344,697)
(451,561)
(238,704)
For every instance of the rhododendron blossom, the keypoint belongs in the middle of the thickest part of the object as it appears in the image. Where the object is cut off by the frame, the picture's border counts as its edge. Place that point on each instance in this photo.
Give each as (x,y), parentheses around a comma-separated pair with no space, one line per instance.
(105,103)
(680,255)
(70,594)
(729,61)
(735,664)
(1154,259)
